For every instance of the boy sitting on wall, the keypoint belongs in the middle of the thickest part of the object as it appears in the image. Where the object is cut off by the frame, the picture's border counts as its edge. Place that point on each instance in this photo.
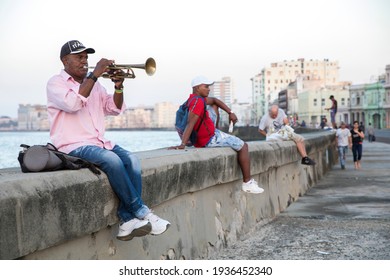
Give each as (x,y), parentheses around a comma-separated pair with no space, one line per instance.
(209,136)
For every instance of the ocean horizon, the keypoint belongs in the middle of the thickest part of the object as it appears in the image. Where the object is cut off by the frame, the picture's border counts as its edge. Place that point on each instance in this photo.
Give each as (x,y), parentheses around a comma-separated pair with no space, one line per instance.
(132,140)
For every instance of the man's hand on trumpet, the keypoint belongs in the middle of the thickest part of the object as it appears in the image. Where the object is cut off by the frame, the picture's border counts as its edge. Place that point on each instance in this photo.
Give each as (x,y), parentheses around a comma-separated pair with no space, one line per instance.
(117,77)
(101,66)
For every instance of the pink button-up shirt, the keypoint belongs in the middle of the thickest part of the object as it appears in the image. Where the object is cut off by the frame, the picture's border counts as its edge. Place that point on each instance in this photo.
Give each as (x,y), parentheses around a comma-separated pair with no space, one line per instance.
(76,120)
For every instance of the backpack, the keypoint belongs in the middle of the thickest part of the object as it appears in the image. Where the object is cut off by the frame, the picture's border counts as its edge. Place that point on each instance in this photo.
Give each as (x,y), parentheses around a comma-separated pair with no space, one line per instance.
(48,158)
(182,118)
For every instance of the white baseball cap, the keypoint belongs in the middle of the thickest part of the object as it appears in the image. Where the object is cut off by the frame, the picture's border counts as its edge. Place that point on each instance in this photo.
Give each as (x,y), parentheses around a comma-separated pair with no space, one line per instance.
(199,80)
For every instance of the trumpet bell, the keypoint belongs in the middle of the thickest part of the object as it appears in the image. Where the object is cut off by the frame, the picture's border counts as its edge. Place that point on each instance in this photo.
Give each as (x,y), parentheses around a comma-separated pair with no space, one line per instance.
(149,66)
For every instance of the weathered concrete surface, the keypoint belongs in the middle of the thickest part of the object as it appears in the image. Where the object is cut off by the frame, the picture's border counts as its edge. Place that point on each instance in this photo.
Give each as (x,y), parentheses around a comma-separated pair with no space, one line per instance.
(72,214)
(345,216)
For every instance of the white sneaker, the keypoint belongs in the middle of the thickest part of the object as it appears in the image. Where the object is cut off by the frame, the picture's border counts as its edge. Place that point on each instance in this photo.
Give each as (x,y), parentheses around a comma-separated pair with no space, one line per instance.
(252,187)
(158,225)
(133,228)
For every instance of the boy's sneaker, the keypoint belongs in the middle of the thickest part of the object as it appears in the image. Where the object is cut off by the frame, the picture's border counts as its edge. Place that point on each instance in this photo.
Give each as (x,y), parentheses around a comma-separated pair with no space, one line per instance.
(308,161)
(133,228)
(252,187)
(158,225)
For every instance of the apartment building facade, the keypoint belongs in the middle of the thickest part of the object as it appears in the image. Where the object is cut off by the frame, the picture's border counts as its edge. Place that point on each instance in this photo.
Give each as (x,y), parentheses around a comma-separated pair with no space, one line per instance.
(313,104)
(368,104)
(386,105)
(279,75)
(223,90)
(32,117)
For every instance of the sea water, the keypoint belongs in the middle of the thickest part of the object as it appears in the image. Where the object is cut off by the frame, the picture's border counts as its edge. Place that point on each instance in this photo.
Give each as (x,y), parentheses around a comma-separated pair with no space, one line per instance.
(134,141)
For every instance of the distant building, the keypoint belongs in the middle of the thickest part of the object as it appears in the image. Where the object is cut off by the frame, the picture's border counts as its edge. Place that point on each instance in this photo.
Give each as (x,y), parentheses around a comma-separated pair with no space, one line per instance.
(33,117)
(165,114)
(137,117)
(162,115)
(312,104)
(258,108)
(368,104)
(243,113)
(386,103)
(6,123)
(267,85)
(223,90)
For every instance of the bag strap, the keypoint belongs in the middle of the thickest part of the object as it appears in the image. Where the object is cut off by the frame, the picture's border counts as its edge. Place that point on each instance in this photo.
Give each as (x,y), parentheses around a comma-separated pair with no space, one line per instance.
(50,145)
(65,161)
(204,111)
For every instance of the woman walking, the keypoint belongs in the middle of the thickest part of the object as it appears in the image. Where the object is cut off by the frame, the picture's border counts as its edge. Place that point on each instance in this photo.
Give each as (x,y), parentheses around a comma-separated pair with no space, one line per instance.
(357,144)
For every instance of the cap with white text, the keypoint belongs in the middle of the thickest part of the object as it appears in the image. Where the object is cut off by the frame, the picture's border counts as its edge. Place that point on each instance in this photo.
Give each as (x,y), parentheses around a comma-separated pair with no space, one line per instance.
(73,47)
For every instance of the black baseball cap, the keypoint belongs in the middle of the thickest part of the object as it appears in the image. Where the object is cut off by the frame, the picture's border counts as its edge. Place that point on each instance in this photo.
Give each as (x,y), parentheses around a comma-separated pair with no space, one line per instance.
(74,46)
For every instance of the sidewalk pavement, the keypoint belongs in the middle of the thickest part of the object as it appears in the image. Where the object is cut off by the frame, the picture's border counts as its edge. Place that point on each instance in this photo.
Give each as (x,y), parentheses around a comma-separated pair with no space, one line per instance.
(346,216)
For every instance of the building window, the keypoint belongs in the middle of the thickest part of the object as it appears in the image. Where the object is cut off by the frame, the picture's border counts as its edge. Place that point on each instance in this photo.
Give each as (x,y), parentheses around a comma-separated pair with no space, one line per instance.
(342,101)
(358,101)
(315,102)
(323,102)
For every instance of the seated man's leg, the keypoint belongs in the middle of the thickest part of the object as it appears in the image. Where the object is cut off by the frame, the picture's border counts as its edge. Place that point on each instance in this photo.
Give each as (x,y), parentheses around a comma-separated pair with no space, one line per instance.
(133,169)
(301,148)
(300,142)
(137,219)
(132,165)
(131,204)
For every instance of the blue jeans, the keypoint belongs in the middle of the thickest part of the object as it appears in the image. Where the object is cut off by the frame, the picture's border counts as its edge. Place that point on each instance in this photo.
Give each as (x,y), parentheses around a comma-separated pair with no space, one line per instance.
(357,150)
(342,152)
(123,170)
(332,116)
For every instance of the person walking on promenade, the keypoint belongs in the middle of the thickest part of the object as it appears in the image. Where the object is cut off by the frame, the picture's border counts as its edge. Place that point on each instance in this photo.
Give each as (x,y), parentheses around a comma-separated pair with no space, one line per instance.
(77,104)
(344,140)
(357,144)
(333,111)
(209,136)
(371,133)
(274,126)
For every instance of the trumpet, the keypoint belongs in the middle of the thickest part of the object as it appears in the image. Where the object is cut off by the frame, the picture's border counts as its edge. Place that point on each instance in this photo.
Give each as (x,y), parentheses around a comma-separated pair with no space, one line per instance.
(149,66)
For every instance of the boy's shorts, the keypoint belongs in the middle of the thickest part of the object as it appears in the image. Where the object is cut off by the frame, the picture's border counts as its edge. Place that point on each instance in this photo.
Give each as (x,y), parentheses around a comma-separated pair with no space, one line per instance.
(222,139)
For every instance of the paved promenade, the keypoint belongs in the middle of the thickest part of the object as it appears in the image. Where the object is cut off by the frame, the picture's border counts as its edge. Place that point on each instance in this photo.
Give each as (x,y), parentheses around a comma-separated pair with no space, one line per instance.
(344,217)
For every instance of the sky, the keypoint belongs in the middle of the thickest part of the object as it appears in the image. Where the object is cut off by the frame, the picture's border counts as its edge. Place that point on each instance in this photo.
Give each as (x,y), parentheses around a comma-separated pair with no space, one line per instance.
(187,38)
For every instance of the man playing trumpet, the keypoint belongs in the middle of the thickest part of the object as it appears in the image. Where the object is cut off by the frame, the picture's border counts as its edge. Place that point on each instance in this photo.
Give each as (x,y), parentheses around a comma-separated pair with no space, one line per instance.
(77,104)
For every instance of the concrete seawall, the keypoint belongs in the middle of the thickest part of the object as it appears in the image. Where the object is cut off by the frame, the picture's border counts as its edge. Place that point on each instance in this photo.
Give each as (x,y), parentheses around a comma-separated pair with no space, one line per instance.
(72,214)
